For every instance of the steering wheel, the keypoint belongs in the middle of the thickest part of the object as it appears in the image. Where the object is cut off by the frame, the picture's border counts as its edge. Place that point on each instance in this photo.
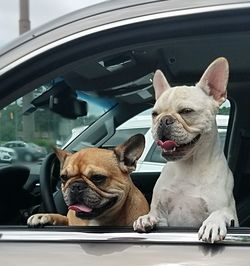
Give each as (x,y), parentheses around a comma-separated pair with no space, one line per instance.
(49,168)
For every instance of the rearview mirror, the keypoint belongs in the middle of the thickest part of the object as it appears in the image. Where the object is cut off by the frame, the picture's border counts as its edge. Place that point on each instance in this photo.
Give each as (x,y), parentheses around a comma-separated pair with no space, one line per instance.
(67,105)
(62,99)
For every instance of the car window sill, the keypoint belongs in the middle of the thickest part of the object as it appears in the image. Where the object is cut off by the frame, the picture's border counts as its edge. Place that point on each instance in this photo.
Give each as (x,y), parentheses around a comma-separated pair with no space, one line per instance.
(235,236)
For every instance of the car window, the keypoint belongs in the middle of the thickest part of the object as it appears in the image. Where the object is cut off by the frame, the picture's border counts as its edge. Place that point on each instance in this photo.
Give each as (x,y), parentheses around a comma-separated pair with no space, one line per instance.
(121,135)
(20,145)
(154,155)
(137,124)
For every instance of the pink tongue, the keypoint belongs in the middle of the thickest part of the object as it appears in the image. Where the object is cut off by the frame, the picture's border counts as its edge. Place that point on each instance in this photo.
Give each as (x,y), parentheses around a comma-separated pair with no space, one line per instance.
(167,145)
(80,208)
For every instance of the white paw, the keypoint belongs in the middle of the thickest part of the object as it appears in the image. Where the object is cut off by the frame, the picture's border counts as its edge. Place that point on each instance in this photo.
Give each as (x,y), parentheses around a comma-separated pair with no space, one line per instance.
(212,230)
(145,223)
(40,219)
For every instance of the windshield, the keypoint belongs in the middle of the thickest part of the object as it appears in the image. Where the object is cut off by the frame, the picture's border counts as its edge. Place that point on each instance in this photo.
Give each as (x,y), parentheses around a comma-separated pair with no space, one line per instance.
(34,123)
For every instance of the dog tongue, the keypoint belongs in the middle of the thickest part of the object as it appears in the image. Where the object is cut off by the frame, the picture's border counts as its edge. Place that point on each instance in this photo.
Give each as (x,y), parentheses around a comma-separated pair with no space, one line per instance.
(166,145)
(80,208)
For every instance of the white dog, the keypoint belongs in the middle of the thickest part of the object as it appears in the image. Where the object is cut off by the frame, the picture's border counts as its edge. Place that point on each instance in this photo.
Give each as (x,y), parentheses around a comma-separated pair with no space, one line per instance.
(195,187)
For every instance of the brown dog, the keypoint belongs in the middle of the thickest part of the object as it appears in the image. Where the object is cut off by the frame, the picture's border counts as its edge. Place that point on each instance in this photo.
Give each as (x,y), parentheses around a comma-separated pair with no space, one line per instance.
(97,187)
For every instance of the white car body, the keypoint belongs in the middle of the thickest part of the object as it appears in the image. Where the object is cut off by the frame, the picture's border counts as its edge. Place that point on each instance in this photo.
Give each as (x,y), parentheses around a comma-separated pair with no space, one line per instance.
(12,153)
(5,157)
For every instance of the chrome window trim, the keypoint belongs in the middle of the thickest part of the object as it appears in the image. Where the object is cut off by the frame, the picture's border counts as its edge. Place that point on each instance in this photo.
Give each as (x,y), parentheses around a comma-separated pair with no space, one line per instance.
(124,237)
(166,14)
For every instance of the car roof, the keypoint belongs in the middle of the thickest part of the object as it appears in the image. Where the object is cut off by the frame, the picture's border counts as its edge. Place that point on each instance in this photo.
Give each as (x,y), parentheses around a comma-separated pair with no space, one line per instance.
(97,15)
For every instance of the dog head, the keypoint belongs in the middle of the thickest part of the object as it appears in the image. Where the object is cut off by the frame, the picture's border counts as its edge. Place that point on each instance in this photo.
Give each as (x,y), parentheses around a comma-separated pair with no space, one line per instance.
(184,116)
(96,181)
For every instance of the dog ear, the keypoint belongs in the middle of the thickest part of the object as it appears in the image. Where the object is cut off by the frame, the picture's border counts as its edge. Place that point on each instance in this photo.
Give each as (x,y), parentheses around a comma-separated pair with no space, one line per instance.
(129,152)
(215,78)
(61,154)
(160,83)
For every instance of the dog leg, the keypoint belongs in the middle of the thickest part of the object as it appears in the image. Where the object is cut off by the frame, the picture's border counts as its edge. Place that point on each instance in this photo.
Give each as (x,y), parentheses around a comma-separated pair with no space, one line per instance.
(156,216)
(41,219)
(214,228)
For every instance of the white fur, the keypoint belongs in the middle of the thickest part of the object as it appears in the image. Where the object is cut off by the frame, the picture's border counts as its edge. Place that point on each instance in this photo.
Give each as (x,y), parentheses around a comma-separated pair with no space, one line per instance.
(197,190)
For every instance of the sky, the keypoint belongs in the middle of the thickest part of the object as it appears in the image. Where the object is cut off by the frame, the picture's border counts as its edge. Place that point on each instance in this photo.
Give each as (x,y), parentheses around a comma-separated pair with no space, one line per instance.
(41,11)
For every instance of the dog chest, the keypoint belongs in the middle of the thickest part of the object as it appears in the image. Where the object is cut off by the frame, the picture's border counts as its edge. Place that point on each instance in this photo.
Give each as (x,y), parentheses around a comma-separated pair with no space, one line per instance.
(183,209)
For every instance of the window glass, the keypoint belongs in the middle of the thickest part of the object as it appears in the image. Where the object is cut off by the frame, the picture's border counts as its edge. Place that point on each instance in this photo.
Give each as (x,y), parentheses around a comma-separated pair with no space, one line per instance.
(121,135)
(154,154)
(29,129)
(138,124)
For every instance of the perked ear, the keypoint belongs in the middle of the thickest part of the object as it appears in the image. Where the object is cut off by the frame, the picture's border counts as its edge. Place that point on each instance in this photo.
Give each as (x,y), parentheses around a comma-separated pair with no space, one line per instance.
(160,83)
(215,78)
(129,152)
(61,154)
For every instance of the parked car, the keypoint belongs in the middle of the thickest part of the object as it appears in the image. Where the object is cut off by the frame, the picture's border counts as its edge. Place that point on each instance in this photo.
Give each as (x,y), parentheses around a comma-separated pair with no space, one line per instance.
(26,151)
(5,157)
(12,153)
(94,68)
(42,151)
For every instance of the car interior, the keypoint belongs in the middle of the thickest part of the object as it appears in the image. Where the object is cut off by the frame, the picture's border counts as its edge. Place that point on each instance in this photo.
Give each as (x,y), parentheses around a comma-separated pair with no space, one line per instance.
(117,73)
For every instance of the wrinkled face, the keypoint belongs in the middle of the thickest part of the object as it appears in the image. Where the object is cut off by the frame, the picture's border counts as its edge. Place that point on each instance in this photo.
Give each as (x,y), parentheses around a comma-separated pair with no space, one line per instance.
(92,182)
(181,116)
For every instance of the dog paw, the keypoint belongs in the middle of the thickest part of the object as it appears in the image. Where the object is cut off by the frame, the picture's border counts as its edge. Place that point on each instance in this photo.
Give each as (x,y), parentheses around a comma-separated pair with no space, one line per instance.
(42,219)
(212,231)
(145,223)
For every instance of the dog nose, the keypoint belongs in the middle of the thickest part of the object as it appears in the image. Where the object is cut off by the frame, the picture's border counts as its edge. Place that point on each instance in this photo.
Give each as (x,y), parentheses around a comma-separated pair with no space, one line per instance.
(78,186)
(167,120)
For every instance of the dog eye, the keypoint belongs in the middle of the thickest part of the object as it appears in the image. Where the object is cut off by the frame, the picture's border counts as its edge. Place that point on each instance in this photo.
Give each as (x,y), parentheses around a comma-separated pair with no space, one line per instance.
(186,111)
(98,179)
(154,114)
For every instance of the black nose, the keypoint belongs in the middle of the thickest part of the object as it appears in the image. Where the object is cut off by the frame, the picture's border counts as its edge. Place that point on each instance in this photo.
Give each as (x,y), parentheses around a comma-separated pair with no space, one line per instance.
(167,120)
(78,187)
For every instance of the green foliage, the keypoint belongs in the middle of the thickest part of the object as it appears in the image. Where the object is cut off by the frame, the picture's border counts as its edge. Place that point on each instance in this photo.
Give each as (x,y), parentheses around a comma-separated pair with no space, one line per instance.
(47,144)
(10,122)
